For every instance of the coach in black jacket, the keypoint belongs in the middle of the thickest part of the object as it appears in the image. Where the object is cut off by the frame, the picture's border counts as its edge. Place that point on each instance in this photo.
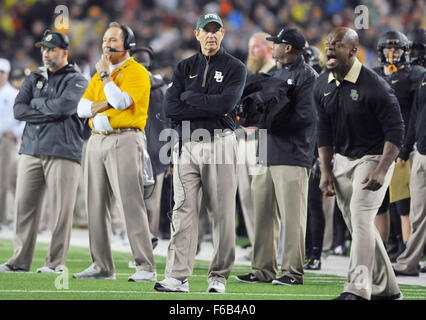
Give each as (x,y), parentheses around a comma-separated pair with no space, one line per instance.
(281,192)
(205,90)
(50,154)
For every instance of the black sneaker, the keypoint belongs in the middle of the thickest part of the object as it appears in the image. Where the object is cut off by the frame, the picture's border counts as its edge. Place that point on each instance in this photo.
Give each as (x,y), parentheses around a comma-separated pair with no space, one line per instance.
(312,264)
(349,296)
(399,273)
(401,249)
(287,281)
(422,269)
(397,296)
(249,278)
(154,242)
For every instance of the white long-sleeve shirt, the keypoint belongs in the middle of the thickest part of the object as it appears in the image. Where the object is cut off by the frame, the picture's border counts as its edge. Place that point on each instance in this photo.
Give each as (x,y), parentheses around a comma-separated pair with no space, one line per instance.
(117,98)
(7,119)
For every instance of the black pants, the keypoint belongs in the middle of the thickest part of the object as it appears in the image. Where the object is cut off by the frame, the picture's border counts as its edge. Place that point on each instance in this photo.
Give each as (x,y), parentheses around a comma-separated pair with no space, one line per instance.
(340,230)
(316,221)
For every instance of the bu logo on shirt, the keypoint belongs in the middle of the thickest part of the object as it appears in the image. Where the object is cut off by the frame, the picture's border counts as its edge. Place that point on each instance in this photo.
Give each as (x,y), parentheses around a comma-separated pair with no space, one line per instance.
(218,76)
(354,95)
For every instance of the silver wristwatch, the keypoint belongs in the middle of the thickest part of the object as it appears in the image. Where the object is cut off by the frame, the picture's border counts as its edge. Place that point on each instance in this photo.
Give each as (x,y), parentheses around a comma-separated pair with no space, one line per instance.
(103,75)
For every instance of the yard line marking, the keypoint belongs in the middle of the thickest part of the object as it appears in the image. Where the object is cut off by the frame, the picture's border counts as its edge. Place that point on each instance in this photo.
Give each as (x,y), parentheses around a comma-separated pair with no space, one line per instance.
(190,293)
(144,292)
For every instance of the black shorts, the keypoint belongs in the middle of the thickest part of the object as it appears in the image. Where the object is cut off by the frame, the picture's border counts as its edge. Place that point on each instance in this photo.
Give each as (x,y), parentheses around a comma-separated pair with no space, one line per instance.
(385,204)
(401,207)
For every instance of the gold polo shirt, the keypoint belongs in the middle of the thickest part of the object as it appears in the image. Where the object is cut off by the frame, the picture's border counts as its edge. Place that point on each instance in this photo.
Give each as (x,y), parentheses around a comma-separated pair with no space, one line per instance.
(133,79)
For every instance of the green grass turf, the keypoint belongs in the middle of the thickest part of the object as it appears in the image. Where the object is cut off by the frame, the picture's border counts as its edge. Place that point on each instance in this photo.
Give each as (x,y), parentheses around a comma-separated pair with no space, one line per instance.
(33,286)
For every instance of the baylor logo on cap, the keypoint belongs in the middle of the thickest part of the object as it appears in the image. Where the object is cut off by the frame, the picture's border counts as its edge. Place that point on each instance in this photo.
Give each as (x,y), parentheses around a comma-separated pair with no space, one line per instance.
(211,16)
(49,37)
(354,95)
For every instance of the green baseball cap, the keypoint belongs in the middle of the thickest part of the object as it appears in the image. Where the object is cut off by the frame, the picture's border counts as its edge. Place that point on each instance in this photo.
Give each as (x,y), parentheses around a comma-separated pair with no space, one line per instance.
(54,40)
(207,18)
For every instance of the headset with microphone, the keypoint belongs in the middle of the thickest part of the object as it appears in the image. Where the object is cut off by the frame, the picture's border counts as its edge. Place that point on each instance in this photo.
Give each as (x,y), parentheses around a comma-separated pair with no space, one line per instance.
(129,39)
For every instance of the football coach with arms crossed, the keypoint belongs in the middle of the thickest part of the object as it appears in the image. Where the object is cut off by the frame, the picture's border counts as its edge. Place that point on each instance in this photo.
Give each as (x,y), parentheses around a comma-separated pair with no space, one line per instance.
(117,101)
(205,90)
(50,154)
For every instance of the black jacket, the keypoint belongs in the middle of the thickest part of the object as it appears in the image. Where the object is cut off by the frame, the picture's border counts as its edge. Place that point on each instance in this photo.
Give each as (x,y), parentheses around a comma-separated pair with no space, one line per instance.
(48,103)
(417,128)
(405,83)
(260,91)
(292,138)
(156,123)
(206,90)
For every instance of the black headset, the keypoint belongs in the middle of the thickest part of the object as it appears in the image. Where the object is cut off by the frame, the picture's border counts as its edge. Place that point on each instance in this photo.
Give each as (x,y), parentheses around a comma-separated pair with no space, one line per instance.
(129,37)
(65,42)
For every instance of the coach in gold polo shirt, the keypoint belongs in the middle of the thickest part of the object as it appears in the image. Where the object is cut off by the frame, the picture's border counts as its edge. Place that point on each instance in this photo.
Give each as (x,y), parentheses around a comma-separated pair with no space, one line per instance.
(116,101)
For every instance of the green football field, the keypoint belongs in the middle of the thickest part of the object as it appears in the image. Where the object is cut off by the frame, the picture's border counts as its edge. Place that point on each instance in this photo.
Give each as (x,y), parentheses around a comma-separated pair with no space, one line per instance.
(33,286)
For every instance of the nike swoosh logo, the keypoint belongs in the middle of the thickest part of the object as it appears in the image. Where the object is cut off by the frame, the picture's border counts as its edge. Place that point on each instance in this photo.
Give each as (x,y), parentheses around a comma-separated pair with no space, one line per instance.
(394,81)
(423,83)
(292,281)
(326,94)
(191,76)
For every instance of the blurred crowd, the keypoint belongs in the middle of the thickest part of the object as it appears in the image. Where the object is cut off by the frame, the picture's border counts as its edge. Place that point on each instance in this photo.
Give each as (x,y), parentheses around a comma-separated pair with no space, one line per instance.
(167,25)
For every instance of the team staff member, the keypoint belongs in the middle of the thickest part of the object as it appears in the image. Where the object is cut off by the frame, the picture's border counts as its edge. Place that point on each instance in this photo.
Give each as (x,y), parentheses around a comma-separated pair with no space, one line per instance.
(117,102)
(282,191)
(10,132)
(156,123)
(205,90)
(417,39)
(50,154)
(393,51)
(361,124)
(406,263)
(259,60)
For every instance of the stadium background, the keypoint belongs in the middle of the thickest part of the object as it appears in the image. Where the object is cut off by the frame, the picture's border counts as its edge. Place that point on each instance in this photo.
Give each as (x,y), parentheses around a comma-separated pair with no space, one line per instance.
(167,25)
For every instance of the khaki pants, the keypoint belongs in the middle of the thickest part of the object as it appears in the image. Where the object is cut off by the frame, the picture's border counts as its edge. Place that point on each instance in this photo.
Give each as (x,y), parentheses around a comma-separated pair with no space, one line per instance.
(218,182)
(80,214)
(407,262)
(114,166)
(153,203)
(280,193)
(370,270)
(8,160)
(60,176)
(244,179)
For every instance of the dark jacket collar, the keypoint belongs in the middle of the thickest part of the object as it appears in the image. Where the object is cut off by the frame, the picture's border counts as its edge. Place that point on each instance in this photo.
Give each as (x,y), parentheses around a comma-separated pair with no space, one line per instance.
(65,69)
(218,54)
(292,65)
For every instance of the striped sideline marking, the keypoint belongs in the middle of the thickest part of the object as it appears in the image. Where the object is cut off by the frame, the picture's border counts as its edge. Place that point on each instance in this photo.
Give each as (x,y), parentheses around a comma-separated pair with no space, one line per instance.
(190,293)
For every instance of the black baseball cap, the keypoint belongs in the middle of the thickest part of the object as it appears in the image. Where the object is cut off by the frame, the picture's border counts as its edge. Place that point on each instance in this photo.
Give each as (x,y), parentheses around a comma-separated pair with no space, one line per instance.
(290,36)
(19,73)
(53,39)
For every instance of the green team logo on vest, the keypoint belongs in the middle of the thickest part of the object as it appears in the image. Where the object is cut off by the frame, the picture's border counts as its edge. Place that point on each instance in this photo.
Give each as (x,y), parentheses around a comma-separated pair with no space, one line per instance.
(354,95)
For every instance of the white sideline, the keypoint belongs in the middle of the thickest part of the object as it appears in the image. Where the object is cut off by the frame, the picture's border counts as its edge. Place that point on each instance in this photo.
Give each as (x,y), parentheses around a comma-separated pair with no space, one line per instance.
(333,265)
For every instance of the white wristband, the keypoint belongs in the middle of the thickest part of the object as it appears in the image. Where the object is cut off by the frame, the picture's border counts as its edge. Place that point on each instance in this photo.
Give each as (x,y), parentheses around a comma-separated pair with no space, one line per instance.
(84,108)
